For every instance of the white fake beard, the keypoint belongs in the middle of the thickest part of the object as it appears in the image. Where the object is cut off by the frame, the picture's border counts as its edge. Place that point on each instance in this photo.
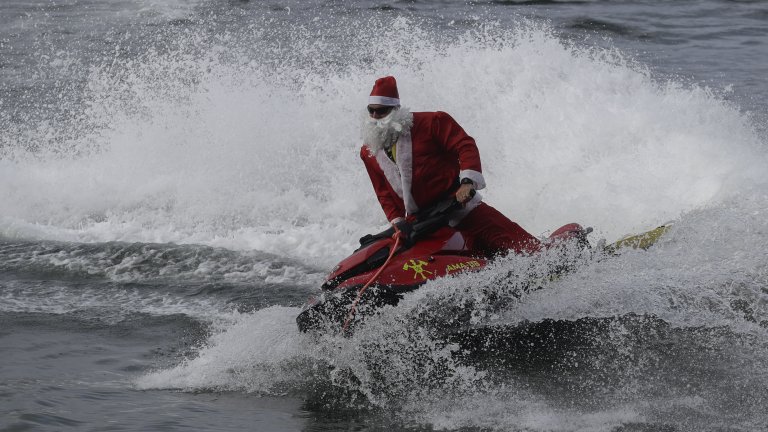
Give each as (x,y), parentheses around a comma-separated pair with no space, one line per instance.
(381,133)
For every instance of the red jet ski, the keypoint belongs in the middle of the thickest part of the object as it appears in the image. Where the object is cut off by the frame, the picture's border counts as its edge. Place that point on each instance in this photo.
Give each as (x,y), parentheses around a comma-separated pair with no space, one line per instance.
(432,250)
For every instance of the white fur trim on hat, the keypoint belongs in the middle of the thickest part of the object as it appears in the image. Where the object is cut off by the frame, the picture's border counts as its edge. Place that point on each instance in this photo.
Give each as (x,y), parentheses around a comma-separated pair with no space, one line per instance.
(383,100)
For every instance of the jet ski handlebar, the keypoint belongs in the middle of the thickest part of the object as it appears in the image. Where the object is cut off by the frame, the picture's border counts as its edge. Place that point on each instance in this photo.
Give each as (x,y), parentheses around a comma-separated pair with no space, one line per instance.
(427,222)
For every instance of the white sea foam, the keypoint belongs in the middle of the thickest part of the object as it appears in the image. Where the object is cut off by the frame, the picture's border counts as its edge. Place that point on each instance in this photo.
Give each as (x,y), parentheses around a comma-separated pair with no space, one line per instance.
(252,353)
(193,148)
(396,362)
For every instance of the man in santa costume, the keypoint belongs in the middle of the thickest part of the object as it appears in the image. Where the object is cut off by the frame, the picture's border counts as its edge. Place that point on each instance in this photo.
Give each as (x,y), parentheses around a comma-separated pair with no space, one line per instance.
(416,159)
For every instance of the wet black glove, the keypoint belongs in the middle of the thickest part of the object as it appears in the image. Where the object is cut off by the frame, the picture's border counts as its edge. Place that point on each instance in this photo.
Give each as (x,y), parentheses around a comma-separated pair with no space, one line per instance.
(406,231)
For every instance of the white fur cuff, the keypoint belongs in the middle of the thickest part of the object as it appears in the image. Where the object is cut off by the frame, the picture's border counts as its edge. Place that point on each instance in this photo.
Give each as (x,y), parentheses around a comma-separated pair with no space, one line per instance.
(476,177)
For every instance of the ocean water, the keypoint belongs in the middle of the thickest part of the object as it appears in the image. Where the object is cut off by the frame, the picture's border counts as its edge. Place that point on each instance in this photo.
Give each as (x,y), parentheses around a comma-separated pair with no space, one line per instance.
(176,177)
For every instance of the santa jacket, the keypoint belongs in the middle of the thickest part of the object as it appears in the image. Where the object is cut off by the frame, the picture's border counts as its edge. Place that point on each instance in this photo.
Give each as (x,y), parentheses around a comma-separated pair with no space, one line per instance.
(431,158)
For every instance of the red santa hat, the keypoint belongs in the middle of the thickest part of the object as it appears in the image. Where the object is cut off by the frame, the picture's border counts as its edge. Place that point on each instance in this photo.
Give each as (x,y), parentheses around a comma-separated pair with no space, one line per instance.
(384,92)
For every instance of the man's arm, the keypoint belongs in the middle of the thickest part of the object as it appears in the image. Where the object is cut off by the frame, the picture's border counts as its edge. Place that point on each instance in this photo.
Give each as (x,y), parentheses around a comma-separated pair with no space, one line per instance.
(450,135)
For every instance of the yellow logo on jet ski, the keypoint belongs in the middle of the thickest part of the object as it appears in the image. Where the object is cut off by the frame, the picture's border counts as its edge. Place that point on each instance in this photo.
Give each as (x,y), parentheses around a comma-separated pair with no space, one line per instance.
(462,266)
(418,268)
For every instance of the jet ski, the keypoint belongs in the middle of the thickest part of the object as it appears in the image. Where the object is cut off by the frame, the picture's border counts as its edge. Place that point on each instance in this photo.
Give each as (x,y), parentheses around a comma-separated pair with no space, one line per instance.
(390,264)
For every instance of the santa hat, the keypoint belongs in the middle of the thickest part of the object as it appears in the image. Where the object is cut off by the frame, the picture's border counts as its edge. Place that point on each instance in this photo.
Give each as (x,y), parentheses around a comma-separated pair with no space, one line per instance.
(384,92)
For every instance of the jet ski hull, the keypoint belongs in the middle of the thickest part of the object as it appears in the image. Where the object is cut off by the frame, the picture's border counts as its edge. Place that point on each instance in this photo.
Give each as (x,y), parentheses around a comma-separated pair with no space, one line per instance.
(443,252)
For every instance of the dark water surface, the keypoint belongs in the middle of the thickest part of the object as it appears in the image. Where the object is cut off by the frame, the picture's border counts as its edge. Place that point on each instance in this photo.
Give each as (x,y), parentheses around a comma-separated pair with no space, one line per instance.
(177,177)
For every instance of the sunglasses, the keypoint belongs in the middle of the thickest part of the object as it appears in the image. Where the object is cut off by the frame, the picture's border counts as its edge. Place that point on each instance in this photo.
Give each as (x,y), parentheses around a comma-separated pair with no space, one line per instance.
(380,111)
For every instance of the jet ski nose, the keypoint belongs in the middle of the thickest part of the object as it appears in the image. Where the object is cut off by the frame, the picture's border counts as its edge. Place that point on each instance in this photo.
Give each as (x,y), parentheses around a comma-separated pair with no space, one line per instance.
(313,301)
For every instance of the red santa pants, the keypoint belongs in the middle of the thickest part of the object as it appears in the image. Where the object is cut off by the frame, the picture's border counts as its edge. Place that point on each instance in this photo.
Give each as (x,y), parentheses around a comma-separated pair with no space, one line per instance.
(493,233)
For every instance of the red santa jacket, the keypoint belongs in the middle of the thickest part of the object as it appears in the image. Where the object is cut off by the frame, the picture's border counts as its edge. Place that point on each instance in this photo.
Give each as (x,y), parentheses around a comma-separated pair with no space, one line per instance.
(431,157)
